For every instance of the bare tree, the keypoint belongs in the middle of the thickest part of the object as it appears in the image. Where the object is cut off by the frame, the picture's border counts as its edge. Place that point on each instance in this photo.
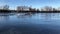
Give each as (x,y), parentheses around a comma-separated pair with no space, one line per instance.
(6,7)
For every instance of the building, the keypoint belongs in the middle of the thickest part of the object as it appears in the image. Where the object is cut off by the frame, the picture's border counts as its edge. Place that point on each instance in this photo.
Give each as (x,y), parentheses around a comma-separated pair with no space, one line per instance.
(58,9)
(22,8)
(25,8)
(32,9)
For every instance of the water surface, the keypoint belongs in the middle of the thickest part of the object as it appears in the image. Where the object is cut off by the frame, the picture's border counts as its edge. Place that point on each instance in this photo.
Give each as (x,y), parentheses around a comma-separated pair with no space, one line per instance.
(38,23)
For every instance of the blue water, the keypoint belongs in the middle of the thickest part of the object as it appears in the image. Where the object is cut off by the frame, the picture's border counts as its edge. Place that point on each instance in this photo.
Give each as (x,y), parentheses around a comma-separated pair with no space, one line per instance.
(38,23)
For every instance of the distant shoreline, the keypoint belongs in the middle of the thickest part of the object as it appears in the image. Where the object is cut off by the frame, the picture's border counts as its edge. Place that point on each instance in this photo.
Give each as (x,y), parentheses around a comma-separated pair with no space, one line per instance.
(14,11)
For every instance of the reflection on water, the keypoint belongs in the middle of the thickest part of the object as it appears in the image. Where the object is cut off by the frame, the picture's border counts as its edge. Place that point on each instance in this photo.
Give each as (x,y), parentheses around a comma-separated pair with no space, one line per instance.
(23,15)
(24,23)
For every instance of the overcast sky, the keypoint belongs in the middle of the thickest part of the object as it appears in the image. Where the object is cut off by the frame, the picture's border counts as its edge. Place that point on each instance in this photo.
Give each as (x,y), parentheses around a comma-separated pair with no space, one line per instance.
(34,3)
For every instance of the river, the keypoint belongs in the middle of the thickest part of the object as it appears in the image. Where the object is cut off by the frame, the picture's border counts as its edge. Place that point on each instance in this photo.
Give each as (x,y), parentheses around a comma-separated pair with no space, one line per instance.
(38,23)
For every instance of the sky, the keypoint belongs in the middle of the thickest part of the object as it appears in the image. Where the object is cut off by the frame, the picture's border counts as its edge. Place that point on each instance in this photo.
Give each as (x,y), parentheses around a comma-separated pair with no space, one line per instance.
(34,3)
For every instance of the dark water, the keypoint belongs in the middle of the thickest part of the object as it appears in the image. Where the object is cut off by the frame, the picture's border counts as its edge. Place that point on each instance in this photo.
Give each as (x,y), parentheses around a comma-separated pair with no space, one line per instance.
(21,23)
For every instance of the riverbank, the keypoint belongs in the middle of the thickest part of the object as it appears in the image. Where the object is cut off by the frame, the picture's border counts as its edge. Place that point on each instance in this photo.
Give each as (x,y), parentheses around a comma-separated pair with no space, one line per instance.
(14,11)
